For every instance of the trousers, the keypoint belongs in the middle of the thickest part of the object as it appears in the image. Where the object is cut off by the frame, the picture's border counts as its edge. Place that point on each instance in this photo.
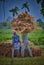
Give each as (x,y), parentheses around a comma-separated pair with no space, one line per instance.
(25,46)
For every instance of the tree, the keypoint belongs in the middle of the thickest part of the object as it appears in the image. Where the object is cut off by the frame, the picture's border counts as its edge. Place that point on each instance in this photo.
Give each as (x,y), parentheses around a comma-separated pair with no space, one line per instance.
(26,6)
(4,24)
(40,23)
(14,11)
(42,6)
(39,20)
(3,7)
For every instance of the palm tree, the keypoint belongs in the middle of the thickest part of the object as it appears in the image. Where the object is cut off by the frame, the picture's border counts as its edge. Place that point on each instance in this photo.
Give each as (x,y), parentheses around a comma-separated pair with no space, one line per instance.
(3,7)
(14,11)
(26,6)
(42,6)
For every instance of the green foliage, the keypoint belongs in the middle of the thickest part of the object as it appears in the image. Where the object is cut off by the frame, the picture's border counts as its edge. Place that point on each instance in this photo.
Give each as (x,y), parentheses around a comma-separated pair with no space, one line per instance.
(14,11)
(41,40)
(5,34)
(26,6)
(40,23)
(35,37)
(38,1)
(23,61)
(4,24)
(42,6)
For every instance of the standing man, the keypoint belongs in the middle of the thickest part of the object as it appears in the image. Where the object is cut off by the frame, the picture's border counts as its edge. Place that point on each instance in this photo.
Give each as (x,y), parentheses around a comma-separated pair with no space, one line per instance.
(25,44)
(15,43)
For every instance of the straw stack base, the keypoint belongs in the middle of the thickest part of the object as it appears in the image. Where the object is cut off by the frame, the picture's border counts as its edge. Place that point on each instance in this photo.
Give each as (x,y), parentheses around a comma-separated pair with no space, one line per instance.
(5,50)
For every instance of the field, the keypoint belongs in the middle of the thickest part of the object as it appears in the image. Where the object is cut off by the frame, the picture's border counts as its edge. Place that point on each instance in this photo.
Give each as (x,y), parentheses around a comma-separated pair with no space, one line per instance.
(5,35)
(36,36)
(23,61)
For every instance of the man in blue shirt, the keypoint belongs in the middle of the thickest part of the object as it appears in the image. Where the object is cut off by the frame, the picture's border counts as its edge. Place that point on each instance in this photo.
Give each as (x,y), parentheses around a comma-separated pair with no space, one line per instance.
(15,43)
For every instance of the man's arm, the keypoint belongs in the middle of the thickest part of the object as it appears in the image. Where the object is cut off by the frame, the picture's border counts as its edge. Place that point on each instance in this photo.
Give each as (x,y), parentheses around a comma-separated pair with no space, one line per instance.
(22,30)
(19,41)
(12,41)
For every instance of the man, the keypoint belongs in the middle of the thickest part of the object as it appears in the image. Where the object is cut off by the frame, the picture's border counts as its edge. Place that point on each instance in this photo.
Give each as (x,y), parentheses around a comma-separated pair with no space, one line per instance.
(25,43)
(15,43)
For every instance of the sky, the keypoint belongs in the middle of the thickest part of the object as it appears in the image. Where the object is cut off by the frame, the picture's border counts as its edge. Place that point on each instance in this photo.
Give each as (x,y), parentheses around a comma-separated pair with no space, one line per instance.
(9,4)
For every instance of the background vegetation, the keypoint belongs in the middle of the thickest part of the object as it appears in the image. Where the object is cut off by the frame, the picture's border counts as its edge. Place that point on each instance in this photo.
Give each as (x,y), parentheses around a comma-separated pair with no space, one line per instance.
(36,36)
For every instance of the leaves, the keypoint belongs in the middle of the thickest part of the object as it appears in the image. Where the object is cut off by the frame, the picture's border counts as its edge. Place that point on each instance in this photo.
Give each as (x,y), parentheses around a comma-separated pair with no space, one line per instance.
(26,6)
(42,11)
(40,23)
(14,10)
(42,6)
(4,24)
(38,1)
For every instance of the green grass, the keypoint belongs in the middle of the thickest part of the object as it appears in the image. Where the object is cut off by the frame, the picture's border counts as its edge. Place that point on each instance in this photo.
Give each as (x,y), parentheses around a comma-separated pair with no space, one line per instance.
(23,61)
(5,35)
(36,36)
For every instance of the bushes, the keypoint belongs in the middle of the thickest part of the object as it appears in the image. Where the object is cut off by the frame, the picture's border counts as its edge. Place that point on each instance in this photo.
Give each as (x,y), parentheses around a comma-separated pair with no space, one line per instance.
(37,37)
(41,41)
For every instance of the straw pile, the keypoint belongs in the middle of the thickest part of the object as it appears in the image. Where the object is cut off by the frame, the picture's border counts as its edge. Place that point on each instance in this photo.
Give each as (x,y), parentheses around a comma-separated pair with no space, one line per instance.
(24,22)
(5,50)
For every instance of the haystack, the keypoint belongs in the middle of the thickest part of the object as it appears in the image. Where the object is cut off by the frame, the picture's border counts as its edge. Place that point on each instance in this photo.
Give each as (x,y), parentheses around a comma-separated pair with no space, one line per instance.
(24,22)
(6,50)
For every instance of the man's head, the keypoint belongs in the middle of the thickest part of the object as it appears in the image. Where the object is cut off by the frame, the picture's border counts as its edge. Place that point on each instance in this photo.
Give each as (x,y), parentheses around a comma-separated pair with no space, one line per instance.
(14,31)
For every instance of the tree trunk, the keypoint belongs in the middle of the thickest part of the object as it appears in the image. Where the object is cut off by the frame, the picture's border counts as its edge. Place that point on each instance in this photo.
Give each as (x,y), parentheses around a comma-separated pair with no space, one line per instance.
(4,9)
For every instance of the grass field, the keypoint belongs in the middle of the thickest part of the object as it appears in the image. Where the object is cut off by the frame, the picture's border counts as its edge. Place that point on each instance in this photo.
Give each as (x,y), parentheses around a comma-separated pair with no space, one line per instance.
(5,35)
(33,36)
(36,36)
(23,61)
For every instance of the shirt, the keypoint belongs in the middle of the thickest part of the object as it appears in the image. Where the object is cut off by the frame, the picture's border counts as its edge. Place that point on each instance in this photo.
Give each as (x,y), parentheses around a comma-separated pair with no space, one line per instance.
(15,41)
(25,38)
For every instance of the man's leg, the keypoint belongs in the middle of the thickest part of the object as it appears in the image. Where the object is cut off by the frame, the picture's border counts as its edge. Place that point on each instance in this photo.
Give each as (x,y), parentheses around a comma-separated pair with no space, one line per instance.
(12,59)
(12,52)
(19,50)
(22,50)
(29,50)
(18,53)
